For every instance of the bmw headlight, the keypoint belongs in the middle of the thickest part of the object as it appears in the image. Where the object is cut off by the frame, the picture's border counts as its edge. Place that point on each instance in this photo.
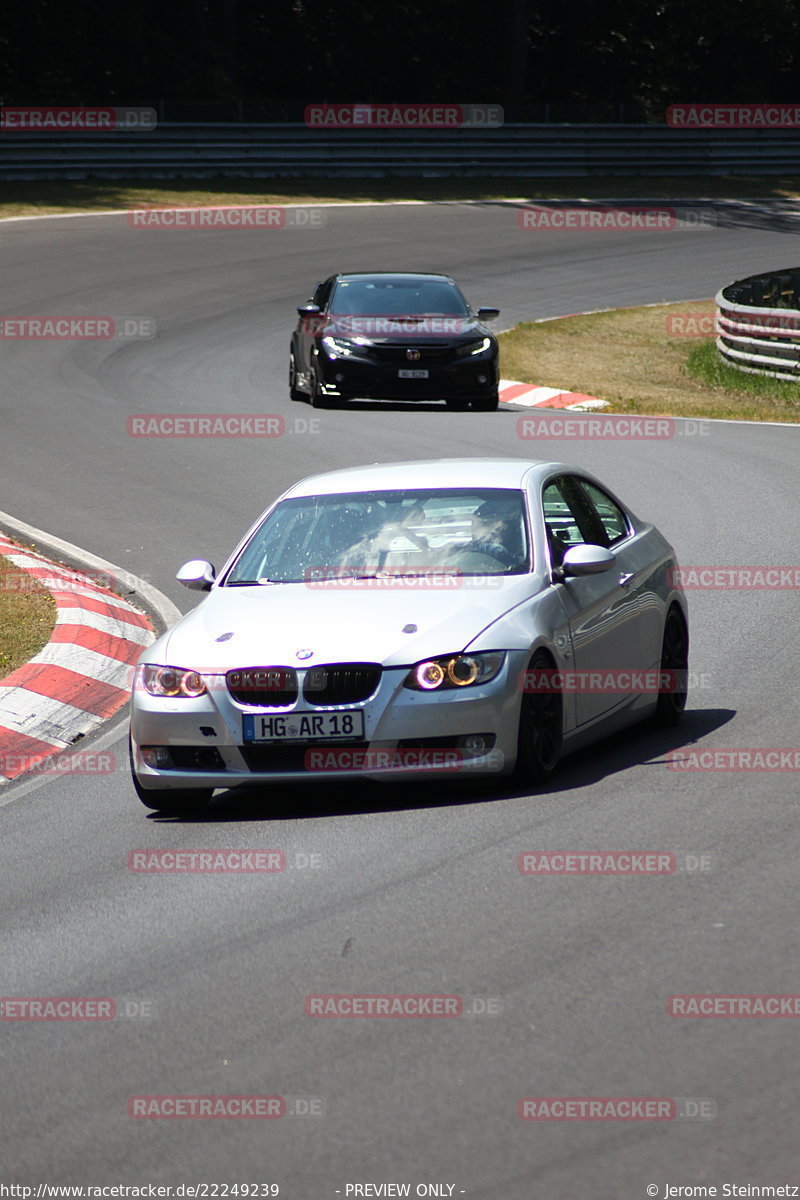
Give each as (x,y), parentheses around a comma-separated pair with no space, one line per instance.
(454,671)
(336,346)
(173,682)
(479,347)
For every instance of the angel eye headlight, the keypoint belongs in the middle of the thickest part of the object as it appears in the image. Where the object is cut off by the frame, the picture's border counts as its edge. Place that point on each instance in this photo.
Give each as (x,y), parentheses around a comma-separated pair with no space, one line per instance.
(172,682)
(479,347)
(454,671)
(427,676)
(461,672)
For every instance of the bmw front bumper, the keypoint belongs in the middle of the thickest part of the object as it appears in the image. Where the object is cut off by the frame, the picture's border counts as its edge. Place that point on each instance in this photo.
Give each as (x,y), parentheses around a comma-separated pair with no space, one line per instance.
(405,732)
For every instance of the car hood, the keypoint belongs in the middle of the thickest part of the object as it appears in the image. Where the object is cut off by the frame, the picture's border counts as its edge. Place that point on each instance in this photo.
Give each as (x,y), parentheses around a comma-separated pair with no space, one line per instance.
(382,331)
(361,622)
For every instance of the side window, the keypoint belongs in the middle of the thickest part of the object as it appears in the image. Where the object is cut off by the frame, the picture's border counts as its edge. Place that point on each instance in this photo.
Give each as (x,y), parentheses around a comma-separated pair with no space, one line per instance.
(569,518)
(322,293)
(608,512)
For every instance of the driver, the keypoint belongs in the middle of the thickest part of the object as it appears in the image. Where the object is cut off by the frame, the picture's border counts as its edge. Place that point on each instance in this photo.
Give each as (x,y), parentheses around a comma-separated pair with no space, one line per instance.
(492,534)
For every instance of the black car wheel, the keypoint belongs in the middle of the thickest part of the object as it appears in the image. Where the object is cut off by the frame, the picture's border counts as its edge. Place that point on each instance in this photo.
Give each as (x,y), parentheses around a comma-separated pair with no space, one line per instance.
(170,801)
(486,403)
(294,393)
(318,398)
(674,665)
(541,727)
(456,405)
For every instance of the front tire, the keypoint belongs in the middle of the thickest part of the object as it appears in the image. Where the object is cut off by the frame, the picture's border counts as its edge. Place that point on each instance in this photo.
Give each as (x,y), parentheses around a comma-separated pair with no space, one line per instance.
(541,728)
(294,392)
(675,663)
(318,399)
(486,403)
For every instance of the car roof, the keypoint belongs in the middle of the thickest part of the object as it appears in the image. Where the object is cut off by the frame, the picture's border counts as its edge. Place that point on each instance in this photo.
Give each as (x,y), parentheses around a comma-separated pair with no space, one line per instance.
(422,276)
(431,473)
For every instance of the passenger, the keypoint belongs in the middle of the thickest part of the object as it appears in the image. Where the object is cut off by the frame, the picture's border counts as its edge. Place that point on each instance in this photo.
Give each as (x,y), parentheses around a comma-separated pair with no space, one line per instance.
(371,550)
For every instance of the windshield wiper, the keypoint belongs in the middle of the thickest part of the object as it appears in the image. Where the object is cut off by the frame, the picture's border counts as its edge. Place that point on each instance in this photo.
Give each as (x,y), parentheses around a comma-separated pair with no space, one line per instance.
(257,582)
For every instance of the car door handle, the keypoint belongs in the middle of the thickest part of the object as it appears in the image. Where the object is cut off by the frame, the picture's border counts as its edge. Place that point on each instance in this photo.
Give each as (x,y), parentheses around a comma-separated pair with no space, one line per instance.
(624,580)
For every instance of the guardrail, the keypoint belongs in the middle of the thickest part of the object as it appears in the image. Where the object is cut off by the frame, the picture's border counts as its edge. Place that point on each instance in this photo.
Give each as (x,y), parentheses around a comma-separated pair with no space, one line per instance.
(758,324)
(286,151)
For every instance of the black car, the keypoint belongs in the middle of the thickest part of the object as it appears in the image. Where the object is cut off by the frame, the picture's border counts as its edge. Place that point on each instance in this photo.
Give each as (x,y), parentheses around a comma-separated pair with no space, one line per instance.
(393,336)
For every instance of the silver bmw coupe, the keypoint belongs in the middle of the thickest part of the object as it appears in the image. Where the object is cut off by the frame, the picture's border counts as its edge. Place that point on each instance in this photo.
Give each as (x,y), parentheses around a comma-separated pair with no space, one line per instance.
(449,617)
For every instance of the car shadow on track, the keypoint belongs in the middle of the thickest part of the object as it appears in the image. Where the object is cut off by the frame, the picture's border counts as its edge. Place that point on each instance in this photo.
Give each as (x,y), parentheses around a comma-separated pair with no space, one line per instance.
(431,406)
(642,745)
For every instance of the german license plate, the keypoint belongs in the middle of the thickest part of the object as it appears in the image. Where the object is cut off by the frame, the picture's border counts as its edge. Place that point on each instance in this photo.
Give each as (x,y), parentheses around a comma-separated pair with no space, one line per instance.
(413,374)
(304,727)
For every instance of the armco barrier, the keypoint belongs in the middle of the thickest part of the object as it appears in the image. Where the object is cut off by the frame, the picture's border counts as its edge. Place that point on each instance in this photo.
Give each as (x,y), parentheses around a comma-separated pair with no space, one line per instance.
(294,150)
(758,324)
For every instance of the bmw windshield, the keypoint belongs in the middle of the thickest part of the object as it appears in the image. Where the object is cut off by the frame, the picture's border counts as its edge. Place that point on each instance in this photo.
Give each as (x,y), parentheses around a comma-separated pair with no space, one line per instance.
(465,532)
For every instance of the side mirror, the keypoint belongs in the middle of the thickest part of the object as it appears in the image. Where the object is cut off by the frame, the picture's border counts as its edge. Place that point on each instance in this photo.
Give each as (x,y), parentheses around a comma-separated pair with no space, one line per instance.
(197,575)
(309,310)
(587,560)
(488,314)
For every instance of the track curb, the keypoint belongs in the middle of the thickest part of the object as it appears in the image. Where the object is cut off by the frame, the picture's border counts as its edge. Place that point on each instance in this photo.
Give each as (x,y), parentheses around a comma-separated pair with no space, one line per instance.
(83,676)
(527,395)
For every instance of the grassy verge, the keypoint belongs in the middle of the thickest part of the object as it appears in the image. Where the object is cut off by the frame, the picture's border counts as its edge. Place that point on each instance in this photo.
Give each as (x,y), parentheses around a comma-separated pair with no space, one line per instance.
(27,617)
(32,197)
(634,359)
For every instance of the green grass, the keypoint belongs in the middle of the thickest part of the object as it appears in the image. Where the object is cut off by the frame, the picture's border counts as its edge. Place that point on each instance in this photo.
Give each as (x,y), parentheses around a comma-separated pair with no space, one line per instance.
(27,616)
(630,358)
(706,364)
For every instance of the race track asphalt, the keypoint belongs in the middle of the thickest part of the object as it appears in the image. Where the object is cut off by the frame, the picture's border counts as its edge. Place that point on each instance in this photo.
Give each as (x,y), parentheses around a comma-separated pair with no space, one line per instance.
(416,889)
